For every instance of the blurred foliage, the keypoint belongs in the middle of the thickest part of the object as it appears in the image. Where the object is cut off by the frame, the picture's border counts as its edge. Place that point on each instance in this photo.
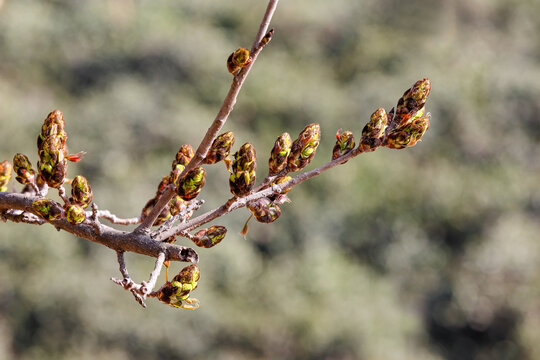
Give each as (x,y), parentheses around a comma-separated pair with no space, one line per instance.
(427,253)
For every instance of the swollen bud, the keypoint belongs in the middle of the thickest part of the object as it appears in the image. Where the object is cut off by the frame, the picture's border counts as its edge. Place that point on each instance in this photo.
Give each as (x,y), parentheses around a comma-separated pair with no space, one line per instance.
(243,168)
(373,132)
(411,104)
(81,193)
(23,169)
(47,209)
(176,293)
(220,149)
(303,149)
(408,135)
(183,157)
(264,210)
(5,175)
(266,38)
(344,144)
(207,238)
(191,184)
(75,214)
(238,59)
(279,154)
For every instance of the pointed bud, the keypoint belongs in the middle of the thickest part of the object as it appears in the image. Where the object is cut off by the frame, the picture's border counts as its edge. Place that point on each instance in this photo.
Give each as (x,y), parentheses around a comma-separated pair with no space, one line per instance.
(5,175)
(183,157)
(373,132)
(264,210)
(177,204)
(207,238)
(164,215)
(81,192)
(344,144)
(243,168)
(176,293)
(52,126)
(410,105)
(303,149)
(191,184)
(409,134)
(279,154)
(220,149)
(75,214)
(47,209)
(238,59)
(266,38)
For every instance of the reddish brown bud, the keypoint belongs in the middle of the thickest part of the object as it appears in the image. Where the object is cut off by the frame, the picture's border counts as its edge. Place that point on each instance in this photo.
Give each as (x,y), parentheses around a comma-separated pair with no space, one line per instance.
(209,237)
(81,192)
(304,147)
(344,144)
(264,210)
(243,167)
(47,209)
(237,60)
(191,184)
(220,149)
(279,154)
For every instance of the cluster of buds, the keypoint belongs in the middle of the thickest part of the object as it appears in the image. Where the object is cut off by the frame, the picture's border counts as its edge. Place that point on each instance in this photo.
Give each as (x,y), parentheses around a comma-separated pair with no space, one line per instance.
(212,236)
(176,292)
(243,168)
(52,150)
(220,149)
(304,147)
(177,204)
(5,175)
(238,60)
(410,121)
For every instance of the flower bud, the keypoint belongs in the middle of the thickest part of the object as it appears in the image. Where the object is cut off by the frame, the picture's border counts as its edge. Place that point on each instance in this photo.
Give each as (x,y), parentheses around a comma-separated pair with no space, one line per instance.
(410,105)
(264,210)
(373,132)
(75,214)
(243,175)
(207,238)
(409,134)
(303,149)
(53,126)
(238,59)
(47,209)
(23,169)
(279,154)
(220,149)
(191,184)
(52,165)
(344,144)
(176,293)
(183,157)
(81,192)
(5,175)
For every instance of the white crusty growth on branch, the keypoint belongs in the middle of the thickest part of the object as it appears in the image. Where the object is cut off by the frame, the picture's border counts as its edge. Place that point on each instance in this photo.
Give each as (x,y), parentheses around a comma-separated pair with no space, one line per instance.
(169,214)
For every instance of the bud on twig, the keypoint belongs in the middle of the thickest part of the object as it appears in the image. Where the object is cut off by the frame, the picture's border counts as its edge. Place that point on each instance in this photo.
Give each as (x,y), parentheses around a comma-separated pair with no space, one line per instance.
(279,154)
(47,209)
(303,149)
(5,175)
(408,135)
(373,132)
(191,184)
(238,59)
(207,238)
(344,144)
(266,38)
(23,169)
(411,104)
(220,149)
(75,214)
(243,167)
(264,210)
(52,165)
(176,293)
(81,192)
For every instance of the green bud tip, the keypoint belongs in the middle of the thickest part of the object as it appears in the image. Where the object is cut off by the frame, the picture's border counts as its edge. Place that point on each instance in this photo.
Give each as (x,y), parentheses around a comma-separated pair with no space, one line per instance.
(23,169)
(176,293)
(5,175)
(183,157)
(264,210)
(238,59)
(373,132)
(81,192)
(220,149)
(304,147)
(75,214)
(210,237)
(279,154)
(191,184)
(408,135)
(47,209)
(242,178)
(344,144)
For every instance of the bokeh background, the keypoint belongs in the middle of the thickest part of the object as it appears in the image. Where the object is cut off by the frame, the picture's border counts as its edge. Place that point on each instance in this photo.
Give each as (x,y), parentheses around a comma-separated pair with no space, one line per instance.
(427,253)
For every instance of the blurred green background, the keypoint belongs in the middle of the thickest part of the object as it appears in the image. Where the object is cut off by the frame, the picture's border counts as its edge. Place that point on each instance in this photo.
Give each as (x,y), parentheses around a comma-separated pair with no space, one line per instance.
(427,253)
